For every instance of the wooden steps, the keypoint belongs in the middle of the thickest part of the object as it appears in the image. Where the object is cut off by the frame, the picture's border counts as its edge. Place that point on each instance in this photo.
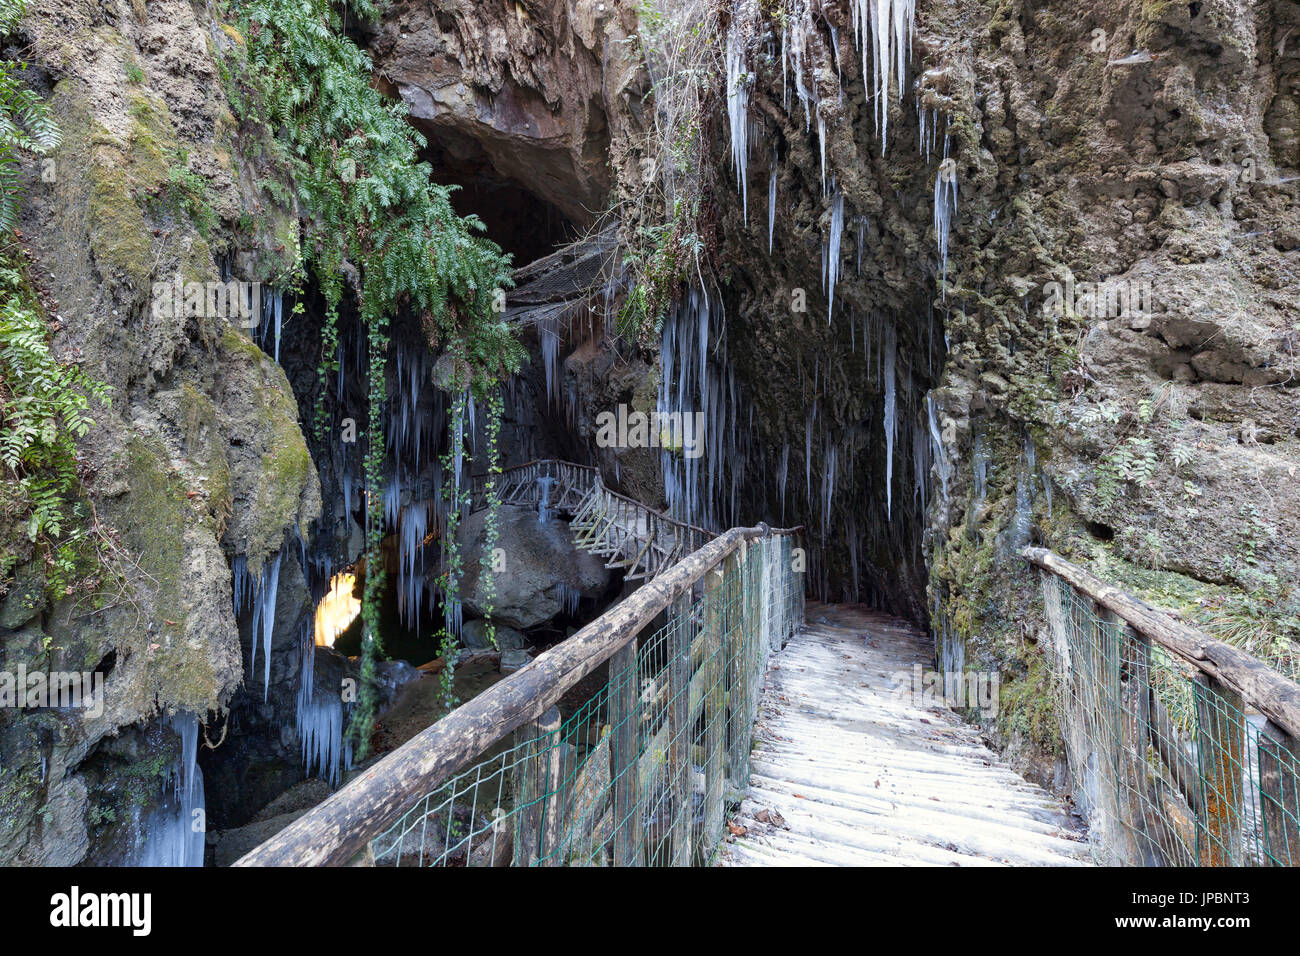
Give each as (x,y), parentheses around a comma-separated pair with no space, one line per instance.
(846,771)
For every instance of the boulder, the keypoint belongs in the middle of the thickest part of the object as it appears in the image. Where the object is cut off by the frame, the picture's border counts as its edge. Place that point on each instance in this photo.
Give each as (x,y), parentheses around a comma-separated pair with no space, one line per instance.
(543,571)
(473,635)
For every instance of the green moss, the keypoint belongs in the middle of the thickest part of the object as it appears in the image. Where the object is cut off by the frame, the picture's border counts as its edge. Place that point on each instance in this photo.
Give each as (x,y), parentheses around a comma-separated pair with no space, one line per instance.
(157,514)
(1028,707)
(205,450)
(154,519)
(119,237)
(286,467)
(130,187)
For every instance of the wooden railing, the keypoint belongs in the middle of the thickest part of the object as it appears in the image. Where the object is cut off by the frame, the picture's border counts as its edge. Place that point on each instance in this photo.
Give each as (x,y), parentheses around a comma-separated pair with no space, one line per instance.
(709,682)
(522,485)
(1182,748)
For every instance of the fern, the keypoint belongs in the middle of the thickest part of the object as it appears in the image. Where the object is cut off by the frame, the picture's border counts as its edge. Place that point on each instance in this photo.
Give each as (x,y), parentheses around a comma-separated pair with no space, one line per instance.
(371,210)
(25,125)
(43,409)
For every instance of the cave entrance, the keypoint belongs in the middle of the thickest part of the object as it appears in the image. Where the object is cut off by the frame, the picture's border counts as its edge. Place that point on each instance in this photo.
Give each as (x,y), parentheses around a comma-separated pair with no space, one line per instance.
(517,219)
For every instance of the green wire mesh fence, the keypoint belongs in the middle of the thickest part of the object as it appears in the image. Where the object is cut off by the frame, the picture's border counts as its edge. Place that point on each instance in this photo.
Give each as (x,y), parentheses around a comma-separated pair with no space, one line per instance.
(636,765)
(1170,766)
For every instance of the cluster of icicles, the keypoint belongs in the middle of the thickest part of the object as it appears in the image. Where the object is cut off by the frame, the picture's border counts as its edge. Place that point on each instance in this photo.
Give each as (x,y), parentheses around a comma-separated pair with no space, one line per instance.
(883,31)
(734,468)
(172,834)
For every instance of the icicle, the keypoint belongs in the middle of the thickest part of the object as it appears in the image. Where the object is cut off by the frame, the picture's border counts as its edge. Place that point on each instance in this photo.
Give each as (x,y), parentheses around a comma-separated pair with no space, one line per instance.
(771,205)
(945,205)
(886,27)
(320,724)
(277,307)
(821,142)
(738,112)
(920,467)
(980,466)
(174,835)
(807,449)
(264,618)
(937,453)
(545,483)
(833,254)
(551,362)
(891,413)
(782,474)
(413,527)
(241,582)
(569,598)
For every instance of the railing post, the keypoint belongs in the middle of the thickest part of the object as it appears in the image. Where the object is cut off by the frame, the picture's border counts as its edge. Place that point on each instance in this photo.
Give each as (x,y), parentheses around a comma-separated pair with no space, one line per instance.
(1135,739)
(1109,640)
(715,711)
(733,619)
(1279,785)
(1220,740)
(536,776)
(680,728)
(625,714)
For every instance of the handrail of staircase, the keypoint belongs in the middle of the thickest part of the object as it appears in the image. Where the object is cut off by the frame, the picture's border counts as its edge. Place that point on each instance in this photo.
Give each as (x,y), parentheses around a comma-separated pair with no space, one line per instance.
(479,481)
(1259,685)
(340,827)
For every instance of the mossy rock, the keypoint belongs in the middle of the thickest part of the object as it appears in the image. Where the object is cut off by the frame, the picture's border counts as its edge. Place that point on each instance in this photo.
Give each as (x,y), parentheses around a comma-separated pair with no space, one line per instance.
(25,598)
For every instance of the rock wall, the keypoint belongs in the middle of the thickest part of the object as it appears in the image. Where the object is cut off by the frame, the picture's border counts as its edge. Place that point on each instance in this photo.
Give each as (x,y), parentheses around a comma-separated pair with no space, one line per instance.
(1165,443)
(1160,448)
(200,458)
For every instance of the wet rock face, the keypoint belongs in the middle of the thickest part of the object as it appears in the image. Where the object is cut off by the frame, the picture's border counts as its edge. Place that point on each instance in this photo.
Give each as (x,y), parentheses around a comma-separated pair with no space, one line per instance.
(540,89)
(199,458)
(1165,437)
(1165,174)
(544,574)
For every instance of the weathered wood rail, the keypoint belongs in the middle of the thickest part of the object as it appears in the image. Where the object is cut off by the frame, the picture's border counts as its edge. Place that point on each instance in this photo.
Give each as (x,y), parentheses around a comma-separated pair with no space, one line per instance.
(1183,748)
(685,698)
(523,484)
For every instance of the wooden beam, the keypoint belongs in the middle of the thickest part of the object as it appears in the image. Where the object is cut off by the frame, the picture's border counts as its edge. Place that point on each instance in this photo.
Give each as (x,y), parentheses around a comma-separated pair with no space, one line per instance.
(625,716)
(332,832)
(1262,687)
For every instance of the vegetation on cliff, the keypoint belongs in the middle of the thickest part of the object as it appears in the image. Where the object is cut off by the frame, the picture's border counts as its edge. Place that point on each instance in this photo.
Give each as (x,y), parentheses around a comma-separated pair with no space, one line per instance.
(374,220)
(44,402)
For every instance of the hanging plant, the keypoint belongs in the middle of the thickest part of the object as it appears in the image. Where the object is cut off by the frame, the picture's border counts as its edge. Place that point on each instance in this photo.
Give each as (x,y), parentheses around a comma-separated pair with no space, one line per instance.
(371,216)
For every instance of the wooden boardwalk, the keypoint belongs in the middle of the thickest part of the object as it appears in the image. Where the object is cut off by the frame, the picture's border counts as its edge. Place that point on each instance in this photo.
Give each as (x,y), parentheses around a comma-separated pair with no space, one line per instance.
(846,770)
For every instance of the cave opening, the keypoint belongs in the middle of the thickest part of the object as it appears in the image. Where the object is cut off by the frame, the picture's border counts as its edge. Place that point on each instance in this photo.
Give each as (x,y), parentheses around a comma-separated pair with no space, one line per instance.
(515,216)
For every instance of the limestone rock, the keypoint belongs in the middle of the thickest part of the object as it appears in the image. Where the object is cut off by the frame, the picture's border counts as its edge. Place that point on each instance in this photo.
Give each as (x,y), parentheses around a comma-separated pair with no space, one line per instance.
(542,568)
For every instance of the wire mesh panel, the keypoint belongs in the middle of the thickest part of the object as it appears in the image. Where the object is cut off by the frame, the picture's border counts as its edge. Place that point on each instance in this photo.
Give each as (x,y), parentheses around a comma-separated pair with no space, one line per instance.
(640,769)
(1171,767)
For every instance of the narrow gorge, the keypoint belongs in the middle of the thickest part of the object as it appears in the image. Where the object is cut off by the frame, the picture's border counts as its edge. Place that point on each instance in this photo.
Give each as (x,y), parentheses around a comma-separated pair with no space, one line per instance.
(355,357)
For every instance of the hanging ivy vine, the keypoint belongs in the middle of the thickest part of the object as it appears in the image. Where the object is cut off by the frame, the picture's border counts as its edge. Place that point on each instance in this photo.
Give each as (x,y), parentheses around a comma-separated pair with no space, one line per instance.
(371,216)
(492,531)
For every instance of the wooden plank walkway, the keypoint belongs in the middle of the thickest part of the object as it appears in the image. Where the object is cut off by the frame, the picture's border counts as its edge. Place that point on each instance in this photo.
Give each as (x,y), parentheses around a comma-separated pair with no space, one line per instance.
(845,770)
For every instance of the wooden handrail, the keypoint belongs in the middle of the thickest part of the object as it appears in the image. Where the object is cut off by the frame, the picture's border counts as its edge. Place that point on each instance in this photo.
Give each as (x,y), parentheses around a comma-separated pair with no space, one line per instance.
(1272,694)
(337,829)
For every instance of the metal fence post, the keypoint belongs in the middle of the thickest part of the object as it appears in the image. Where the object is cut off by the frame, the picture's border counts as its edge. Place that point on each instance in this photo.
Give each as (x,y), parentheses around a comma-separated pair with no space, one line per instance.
(680,728)
(1279,762)
(1220,744)
(533,775)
